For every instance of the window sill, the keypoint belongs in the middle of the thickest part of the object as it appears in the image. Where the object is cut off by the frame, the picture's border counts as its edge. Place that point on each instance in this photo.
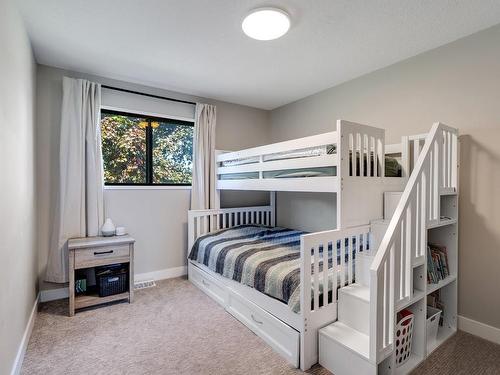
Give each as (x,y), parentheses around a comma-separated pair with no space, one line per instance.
(150,187)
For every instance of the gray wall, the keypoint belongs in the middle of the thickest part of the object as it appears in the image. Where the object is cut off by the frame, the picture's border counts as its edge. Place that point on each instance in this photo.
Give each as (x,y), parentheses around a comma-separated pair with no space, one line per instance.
(156,218)
(311,212)
(18,256)
(458,84)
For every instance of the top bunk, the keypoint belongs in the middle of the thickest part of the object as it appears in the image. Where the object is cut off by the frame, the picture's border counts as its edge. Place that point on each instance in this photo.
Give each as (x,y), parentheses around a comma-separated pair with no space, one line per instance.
(317,163)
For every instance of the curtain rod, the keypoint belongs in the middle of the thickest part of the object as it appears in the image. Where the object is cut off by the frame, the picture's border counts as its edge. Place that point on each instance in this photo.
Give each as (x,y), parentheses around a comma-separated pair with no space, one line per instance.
(144,94)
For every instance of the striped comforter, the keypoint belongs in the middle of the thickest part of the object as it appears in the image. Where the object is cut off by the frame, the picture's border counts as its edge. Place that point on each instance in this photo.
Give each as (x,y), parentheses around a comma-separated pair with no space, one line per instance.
(264,258)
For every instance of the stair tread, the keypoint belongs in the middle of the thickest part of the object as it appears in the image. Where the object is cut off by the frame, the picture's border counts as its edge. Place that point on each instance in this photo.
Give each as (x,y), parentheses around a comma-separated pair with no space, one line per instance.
(357,290)
(348,337)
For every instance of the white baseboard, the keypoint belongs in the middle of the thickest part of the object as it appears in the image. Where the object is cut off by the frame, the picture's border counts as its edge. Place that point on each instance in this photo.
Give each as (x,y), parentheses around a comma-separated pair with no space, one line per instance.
(168,273)
(21,351)
(476,328)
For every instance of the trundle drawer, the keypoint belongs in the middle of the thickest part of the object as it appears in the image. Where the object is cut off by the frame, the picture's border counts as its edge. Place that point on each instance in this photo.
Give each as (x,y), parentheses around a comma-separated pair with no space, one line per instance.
(281,337)
(208,284)
(98,256)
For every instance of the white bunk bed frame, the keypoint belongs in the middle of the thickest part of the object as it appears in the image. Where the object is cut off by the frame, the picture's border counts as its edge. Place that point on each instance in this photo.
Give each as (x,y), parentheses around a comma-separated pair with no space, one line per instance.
(295,335)
(351,139)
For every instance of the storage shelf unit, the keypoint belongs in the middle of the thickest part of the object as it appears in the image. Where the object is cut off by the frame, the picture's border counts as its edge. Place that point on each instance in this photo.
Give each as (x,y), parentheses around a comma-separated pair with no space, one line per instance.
(442,223)
(445,233)
(417,295)
(91,252)
(433,287)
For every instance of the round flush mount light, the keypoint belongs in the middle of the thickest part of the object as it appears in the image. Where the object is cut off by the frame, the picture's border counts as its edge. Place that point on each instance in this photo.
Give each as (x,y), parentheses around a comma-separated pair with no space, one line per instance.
(266,23)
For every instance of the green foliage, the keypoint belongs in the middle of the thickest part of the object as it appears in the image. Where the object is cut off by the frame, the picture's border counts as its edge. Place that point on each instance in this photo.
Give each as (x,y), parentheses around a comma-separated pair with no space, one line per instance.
(172,154)
(124,151)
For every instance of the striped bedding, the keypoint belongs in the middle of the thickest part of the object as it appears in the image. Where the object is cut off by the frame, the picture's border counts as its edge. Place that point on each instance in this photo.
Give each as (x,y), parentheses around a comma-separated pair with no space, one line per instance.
(264,258)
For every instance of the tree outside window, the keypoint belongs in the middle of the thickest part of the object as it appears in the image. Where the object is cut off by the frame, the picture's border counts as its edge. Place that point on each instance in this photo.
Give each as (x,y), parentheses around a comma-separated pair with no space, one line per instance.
(144,150)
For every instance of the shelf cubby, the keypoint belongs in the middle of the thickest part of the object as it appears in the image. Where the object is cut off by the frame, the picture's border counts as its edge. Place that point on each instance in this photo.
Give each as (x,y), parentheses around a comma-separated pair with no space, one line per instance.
(446,236)
(448,206)
(418,349)
(448,297)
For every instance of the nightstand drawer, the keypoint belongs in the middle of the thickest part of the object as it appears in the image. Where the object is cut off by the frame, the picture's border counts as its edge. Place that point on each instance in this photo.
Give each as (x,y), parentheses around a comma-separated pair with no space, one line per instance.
(98,256)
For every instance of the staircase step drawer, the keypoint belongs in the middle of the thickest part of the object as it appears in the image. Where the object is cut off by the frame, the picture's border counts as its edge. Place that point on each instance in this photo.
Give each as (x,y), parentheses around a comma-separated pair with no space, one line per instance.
(344,351)
(102,255)
(280,336)
(208,284)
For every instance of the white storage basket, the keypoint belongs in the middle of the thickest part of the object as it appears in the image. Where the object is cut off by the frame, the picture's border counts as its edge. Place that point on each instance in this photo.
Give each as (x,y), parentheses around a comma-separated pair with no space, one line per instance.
(404,334)
(433,316)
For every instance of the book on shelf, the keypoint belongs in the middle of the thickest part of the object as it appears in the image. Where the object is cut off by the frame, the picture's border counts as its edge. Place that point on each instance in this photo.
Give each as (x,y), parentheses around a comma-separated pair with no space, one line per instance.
(437,263)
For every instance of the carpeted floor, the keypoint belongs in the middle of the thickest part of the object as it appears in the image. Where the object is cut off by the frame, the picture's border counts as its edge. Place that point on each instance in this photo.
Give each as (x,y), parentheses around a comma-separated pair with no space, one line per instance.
(176,329)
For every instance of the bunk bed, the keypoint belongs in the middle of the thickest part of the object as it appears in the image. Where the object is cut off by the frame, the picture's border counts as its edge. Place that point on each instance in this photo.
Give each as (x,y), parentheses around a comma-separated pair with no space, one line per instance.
(261,273)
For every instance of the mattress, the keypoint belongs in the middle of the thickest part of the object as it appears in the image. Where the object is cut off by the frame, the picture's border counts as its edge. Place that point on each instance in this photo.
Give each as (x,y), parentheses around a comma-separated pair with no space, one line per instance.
(264,258)
(392,165)
(301,153)
(285,173)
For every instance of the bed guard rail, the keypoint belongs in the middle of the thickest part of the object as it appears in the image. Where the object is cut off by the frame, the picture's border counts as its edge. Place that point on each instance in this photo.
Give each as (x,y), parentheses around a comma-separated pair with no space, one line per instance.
(340,247)
(201,222)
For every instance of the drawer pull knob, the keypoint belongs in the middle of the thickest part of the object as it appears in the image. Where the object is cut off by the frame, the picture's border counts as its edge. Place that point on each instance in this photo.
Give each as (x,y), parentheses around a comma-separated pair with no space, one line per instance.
(97,253)
(205,283)
(255,320)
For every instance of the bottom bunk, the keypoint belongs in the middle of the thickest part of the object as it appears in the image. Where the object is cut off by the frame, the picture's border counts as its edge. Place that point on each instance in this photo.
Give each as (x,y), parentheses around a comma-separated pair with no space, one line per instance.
(268,260)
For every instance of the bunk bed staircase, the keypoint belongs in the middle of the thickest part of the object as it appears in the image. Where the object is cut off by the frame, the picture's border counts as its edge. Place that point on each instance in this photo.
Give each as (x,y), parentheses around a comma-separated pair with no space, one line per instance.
(392,276)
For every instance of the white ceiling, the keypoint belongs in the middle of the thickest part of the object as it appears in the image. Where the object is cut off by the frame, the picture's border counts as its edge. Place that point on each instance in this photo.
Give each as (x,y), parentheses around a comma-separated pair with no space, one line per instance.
(197,46)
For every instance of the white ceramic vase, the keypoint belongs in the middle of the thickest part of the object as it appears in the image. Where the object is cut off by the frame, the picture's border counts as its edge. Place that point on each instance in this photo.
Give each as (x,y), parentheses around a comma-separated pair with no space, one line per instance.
(108,229)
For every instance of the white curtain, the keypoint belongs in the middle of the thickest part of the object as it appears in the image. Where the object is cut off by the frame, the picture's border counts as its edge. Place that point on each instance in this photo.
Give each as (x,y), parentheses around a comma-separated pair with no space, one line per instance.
(203,195)
(80,206)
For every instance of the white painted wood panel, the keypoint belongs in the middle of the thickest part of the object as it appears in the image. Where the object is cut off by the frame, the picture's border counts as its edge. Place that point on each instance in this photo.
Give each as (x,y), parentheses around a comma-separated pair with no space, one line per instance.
(281,337)
(209,285)
(291,145)
(304,184)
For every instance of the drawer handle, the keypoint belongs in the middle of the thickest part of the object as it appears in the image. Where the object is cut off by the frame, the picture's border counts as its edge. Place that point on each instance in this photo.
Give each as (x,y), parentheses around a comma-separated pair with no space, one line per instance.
(255,320)
(97,253)
(205,283)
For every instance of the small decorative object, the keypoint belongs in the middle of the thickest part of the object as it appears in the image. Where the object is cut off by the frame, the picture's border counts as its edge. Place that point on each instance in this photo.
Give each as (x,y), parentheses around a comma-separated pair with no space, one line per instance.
(108,229)
(80,286)
(120,231)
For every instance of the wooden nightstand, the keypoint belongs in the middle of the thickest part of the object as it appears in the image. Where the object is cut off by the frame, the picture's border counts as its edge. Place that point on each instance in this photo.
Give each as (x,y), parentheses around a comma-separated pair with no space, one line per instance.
(92,252)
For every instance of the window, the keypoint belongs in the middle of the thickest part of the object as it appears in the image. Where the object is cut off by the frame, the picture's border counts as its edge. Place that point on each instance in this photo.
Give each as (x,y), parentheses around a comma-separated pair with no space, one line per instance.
(145,150)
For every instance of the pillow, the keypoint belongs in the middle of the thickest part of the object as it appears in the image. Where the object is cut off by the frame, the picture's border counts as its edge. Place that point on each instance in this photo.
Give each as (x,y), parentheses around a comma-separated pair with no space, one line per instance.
(392,167)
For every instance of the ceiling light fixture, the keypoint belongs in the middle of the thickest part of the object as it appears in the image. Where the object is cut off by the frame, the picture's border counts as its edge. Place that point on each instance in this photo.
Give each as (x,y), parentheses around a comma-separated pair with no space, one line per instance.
(266,23)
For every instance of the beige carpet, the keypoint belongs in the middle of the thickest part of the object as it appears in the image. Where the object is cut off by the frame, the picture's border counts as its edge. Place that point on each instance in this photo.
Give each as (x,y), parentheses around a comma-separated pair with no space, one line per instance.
(176,329)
